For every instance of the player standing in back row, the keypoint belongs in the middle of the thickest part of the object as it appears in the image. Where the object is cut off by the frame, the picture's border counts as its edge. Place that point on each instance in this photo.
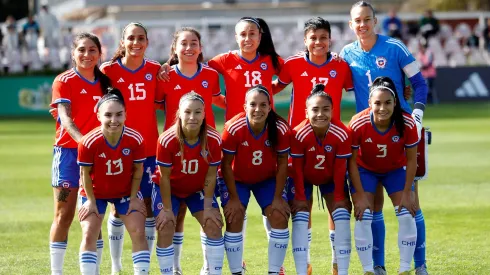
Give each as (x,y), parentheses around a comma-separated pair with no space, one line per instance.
(371,56)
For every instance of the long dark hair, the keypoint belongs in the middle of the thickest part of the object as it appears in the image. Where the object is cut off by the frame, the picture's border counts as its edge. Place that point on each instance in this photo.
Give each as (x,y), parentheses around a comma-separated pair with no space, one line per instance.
(173,59)
(272,120)
(266,45)
(385,84)
(314,24)
(121,51)
(111,94)
(363,4)
(105,82)
(203,131)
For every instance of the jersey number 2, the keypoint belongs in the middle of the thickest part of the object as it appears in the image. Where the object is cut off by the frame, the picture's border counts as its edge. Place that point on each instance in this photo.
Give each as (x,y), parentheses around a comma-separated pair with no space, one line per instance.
(321,160)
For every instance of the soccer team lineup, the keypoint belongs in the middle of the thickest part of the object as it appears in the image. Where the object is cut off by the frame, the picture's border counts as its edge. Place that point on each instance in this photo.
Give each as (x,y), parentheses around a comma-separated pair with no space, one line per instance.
(108,150)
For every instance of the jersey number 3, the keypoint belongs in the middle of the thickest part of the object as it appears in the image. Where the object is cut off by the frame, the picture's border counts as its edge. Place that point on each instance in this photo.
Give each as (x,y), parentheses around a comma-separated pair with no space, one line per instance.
(382,151)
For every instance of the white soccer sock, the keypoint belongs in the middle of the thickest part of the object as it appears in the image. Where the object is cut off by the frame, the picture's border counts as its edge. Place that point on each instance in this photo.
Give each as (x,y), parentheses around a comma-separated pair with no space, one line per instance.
(300,242)
(100,248)
(215,253)
(150,230)
(267,226)
(88,262)
(407,238)
(178,241)
(204,238)
(234,250)
(364,241)
(308,257)
(278,245)
(332,246)
(141,262)
(244,228)
(342,241)
(57,251)
(165,258)
(115,234)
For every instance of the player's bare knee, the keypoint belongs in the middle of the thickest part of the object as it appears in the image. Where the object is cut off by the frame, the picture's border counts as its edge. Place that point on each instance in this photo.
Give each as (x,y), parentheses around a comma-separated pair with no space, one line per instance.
(212,230)
(277,220)
(165,236)
(64,217)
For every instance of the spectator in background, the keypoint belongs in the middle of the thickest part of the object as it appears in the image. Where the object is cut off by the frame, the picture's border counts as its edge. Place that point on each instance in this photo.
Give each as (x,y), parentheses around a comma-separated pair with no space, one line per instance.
(30,32)
(486,35)
(392,25)
(10,45)
(49,27)
(425,57)
(429,25)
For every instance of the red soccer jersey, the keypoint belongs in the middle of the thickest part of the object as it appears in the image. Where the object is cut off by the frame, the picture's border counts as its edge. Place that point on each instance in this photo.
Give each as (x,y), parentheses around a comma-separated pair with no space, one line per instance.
(112,167)
(323,161)
(140,90)
(205,82)
(83,95)
(335,75)
(240,75)
(381,152)
(253,153)
(188,171)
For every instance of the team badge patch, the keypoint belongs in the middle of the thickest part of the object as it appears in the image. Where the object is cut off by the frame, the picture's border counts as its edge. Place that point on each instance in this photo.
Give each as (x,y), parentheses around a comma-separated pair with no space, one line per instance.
(328,148)
(381,62)
(395,138)
(65,184)
(160,206)
(148,77)
(267,143)
(293,190)
(225,195)
(204,83)
(126,151)
(263,66)
(333,73)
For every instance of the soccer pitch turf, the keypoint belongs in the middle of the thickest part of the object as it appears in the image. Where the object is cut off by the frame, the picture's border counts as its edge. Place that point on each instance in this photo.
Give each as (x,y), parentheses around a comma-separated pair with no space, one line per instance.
(455,201)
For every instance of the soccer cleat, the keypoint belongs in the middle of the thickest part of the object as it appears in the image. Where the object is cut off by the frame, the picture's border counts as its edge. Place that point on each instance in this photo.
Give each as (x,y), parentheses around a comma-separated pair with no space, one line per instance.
(203,271)
(178,272)
(310,270)
(421,270)
(335,269)
(282,271)
(379,270)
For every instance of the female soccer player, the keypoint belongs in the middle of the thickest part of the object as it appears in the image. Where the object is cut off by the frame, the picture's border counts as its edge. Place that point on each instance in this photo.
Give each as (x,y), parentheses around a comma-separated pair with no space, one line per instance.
(134,76)
(307,69)
(320,148)
(258,140)
(384,139)
(371,56)
(256,62)
(111,160)
(188,155)
(75,94)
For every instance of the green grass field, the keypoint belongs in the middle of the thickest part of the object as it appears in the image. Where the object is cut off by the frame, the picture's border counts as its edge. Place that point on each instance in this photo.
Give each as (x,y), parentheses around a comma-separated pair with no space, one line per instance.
(455,201)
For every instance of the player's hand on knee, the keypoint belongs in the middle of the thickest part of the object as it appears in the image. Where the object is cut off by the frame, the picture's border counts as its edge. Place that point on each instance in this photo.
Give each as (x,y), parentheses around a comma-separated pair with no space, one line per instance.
(212,215)
(360,205)
(408,202)
(165,218)
(298,206)
(280,205)
(137,205)
(87,209)
(234,210)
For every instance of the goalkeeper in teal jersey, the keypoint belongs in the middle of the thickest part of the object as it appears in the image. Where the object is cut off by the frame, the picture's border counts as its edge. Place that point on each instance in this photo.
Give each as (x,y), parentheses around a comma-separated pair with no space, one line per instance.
(370,56)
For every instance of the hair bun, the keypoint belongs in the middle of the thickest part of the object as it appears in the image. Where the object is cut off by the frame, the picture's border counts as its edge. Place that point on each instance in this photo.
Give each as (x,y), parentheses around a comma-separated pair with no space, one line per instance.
(318,88)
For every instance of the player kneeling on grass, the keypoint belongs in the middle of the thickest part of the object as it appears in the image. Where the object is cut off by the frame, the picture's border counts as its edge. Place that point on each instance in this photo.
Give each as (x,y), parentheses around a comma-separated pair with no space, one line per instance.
(384,140)
(188,155)
(255,147)
(320,148)
(111,166)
